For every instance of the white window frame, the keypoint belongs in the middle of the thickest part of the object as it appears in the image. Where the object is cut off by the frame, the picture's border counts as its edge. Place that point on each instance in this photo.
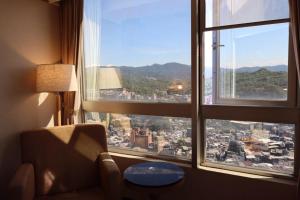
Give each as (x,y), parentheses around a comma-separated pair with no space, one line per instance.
(290,102)
(266,112)
(216,65)
(172,109)
(247,110)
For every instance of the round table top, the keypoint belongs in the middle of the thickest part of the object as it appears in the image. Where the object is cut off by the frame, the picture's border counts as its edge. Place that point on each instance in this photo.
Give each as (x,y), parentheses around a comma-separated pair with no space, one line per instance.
(154,174)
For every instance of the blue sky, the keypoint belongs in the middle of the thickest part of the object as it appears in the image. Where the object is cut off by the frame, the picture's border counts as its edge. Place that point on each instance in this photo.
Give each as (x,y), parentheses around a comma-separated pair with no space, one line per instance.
(144,32)
(153,32)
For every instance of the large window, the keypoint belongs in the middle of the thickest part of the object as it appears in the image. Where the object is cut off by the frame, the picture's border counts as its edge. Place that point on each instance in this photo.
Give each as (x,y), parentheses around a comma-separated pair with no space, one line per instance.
(247,63)
(137,74)
(248,86)
(214,83)
(247,53)
(138,50)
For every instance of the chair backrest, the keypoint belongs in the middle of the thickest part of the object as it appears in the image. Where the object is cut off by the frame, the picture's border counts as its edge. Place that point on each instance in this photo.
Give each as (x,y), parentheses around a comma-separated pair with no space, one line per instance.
(64,158)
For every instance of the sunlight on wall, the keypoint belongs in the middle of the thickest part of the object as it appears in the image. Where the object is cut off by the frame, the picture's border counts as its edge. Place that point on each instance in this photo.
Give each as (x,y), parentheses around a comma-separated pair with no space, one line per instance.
(42,98)
(46,109)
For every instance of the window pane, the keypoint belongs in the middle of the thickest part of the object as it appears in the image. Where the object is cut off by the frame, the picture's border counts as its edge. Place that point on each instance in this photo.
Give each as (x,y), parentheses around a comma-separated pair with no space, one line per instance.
(228,12)
(168,136)
(258,145)
(247,63)
(138,50)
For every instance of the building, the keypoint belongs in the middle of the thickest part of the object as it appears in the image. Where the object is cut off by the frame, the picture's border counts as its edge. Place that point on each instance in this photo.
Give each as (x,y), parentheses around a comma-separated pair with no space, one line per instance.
(141,138)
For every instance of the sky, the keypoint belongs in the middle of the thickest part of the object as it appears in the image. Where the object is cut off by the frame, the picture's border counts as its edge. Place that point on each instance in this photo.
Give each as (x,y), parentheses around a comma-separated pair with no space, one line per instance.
(143,32)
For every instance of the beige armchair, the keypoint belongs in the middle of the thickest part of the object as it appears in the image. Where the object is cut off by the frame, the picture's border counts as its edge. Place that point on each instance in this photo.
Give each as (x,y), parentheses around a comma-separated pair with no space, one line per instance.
(68,162)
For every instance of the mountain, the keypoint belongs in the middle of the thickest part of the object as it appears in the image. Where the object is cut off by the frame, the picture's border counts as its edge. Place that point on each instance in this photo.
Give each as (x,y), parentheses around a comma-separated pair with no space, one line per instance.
(276,68)
(262,83)
(152,78)
(169,71)
(251,82)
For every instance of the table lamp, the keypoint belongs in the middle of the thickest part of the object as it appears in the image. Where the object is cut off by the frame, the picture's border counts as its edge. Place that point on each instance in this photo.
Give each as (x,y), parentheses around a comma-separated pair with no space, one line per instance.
(56,78)
(108,78)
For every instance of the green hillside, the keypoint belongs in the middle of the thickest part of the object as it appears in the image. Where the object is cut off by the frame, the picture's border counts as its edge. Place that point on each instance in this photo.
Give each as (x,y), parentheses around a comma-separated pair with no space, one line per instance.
(267,82)
(262,83)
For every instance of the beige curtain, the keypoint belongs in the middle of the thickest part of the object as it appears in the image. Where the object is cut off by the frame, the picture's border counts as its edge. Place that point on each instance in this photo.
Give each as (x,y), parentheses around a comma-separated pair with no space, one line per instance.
(72,16)
(295,25)
(295,28)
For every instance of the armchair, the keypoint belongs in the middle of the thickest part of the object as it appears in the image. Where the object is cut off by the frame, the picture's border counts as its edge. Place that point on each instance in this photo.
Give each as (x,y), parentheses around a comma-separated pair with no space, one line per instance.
(68,162)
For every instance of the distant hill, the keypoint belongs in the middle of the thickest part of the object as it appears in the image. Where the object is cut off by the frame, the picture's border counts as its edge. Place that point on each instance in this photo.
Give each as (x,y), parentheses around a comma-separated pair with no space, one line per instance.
(153,78)
(251,82)
(276,68)
(169,71)
(262,83)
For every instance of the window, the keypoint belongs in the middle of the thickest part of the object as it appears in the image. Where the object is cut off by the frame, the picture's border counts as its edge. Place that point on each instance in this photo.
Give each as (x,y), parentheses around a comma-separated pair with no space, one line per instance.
(153,135)
(230,12)
(142,51)
(254,145)
(137,74)
(248,87)
(249,64)
(234,109)
(247,56)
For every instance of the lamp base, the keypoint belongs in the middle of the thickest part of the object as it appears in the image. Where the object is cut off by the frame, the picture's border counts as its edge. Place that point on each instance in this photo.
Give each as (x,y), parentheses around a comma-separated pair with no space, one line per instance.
(59,108)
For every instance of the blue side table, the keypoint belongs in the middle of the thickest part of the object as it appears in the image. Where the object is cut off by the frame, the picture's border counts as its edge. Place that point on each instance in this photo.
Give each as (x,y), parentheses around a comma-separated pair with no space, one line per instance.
(154,177)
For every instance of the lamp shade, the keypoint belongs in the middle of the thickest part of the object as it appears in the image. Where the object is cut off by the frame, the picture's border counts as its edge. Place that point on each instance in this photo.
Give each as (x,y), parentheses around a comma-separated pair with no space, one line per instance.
(108,78)
(56,78)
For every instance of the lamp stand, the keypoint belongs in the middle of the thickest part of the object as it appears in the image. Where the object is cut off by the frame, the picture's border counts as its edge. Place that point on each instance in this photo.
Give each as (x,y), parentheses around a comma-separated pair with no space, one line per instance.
(59,108)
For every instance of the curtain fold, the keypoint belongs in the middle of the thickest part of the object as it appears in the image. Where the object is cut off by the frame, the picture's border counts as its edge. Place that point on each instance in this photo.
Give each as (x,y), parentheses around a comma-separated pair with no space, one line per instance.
(295,29)
(72,16)
(92,45)
(295,25)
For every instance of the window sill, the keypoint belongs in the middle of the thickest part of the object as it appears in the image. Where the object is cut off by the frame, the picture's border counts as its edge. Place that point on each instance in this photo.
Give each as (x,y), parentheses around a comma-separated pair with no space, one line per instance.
(211,169)
(248,175)
(146,155)
(149,159)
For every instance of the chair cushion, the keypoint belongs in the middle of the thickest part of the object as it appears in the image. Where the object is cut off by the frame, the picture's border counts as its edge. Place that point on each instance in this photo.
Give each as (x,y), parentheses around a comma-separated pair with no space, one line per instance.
(88,194)
(64,158)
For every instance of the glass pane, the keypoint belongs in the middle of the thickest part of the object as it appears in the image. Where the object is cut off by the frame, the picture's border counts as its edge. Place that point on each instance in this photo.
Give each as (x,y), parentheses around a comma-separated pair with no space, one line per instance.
(228,12)
(258,145)
(247,63)
(138,50)
(167,136)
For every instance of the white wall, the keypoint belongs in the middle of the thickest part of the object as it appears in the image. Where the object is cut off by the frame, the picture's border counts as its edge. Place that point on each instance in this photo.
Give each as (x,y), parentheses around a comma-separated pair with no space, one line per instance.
(29,35)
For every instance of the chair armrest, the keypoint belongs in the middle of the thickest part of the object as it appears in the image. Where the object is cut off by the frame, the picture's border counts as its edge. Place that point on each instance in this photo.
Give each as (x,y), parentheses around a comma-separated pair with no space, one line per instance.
(110,177)
(22,185)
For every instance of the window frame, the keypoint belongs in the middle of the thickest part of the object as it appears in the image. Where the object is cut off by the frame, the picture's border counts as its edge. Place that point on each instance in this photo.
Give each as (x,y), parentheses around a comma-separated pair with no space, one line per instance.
(166,109)
(216,65)
(183,110)
(198,112)
(265,111)
(290,102)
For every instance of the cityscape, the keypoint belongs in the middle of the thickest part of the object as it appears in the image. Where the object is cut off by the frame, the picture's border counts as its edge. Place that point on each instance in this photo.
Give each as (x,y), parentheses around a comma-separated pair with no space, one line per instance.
(164,136)
(159,96)
(257,145)
(265,146)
